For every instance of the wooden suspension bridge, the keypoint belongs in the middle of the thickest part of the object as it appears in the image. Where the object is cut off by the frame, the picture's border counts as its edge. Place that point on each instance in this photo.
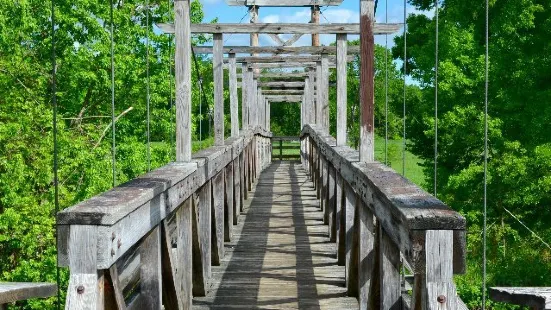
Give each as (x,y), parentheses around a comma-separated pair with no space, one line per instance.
(228,227)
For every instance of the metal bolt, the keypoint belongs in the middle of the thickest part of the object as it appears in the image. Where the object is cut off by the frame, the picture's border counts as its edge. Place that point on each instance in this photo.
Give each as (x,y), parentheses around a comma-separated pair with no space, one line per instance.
(441,299)
(112,236)
(112,252)
(80,289)
(119,243)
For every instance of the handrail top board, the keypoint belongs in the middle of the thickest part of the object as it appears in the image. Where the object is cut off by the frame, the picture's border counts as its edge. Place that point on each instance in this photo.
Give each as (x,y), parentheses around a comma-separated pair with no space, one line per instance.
(534,297)
(289,3)
(15,291)
(416,208)
(285,28)
(111,206)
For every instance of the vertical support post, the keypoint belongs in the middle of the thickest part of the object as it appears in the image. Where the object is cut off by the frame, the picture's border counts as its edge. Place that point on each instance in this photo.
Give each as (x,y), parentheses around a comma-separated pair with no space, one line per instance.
(324,91)
(252,101)
(311,96)
(341,222)
(331,202)
(319,101)
(244,96)
(341,88)
(150,270)
(367,90)
(233,96)
(280,149)
(268,116)
(305,111)
(367,264)
(351,242)
(218,75)
(182,61)
(389,271)
(259,106)
(315,19)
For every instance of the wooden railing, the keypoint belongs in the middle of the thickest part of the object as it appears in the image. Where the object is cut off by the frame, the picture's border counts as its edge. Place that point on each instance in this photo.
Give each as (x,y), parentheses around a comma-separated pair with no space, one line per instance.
(278,148)
(153,240)
(377,218)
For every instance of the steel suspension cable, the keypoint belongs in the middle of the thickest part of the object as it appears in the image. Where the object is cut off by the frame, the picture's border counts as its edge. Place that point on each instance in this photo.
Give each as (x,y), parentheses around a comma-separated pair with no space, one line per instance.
(56,150)
(436,99)
(486,86)
(113,150)
(386,86)
(147,86)
(405,86)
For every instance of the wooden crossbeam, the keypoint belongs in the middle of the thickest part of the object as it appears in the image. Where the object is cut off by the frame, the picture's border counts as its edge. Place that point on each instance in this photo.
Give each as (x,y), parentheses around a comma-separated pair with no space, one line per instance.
(292,58)
(277,3)
(284,98)
(277,85)
(312,50)
(285,28)
(283,91)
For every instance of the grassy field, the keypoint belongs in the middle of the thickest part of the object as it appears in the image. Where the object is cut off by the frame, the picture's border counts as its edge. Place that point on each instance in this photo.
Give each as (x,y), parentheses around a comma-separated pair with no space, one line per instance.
(414,171)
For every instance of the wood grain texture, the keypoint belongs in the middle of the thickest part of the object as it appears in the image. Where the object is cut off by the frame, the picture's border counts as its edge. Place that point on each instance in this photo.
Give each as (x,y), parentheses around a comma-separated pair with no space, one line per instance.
(351,241)
(534,297)
(244,98)
(234,102)
(182,60)
(150,270)
(217,218)
(14,291)
(218,81)
(389,272)
(324,91)
(367,82)
(284,28)
(284,98)
(201,240)
(342,46)
(319,95)
(368,275)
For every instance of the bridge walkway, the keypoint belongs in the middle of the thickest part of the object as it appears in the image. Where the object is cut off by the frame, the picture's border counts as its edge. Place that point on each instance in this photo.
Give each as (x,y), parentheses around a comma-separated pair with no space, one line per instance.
(280,256)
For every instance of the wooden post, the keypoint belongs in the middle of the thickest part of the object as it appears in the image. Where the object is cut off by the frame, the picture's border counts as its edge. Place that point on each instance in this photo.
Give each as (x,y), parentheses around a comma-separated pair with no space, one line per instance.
(367,89)
(315,14)
(230,186)
(268,116)
(217,65)
(182,61)
(324,91)
(311,96)
(319,101)
(233,96)
(389,271)
(252,102)
(341,89)
(244,97)
(305,103)
(341,222)
(150,270)
(331,201)
(351,241)
(280,149)
(253,15)
(366,264)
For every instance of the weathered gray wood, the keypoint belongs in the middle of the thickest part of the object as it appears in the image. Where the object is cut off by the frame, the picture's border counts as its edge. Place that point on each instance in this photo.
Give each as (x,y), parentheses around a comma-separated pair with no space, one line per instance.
(341,222)
(291,3)
(341,89)
(117,287)
(292,40)
(324,91)
(315,19)
(217,219)
(398,204)
(276,39)
(288,58)
(244,98)
(171,298)
(218,76)
(229,203)
(389,272)
(201,240)
(281,84)
(534,297)
(367,273)
(184,261)
(319,95)
(367,83)
(283,91)
(281,65)
(83,291)
(282,28)
(331,201)
(312,96)
(313,50)
(182,60)
(14,291)
(284,98)
(253,107)
(234,112)
(237,189)
(351,246)
(150,270)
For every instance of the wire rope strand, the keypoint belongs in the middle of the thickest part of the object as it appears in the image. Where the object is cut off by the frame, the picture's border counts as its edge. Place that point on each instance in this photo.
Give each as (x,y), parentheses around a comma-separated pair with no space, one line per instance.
(405,86)
(147,86)
(436,99)
(386,86)
(113,129)
(486,86)
(56,150)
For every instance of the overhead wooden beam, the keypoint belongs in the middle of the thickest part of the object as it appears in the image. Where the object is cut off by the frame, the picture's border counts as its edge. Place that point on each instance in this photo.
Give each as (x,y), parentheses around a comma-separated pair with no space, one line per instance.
(312,50)
(281,84)
(277,3)
(280,65)
(284,98)
(291,58)
(285,28)
(283,91)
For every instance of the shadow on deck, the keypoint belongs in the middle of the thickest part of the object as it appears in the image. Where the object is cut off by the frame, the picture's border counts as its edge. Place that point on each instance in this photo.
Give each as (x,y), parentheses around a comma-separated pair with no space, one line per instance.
(281,256)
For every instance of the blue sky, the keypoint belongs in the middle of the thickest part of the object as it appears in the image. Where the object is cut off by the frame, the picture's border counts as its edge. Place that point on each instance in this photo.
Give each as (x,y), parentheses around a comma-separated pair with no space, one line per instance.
(347,12)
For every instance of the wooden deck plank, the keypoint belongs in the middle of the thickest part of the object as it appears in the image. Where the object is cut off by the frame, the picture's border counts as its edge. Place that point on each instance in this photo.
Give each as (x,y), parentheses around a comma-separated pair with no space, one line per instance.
(280,256)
